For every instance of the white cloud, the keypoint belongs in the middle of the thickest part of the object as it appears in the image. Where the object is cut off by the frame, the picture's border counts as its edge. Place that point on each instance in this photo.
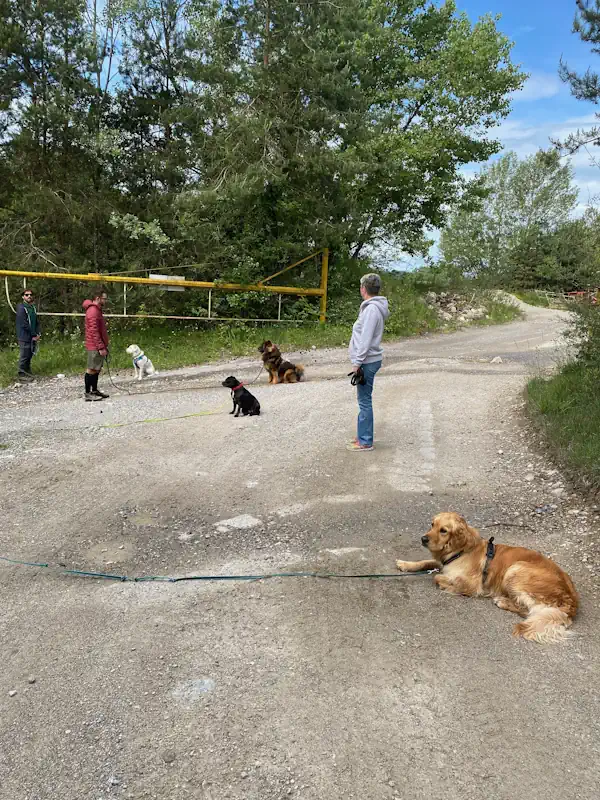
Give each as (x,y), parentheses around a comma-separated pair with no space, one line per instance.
(524,29)
(525,138)
(538,86)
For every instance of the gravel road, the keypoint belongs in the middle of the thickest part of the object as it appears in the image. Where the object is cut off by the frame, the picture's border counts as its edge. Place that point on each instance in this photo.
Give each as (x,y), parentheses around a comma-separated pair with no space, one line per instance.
(289,687)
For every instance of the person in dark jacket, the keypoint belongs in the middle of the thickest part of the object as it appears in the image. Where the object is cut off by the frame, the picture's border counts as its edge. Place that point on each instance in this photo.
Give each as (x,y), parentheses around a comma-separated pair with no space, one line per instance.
(96,343)
(28,334)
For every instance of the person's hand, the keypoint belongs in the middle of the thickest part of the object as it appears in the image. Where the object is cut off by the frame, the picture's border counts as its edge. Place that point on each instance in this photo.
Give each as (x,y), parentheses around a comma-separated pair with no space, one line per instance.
(37,338)
(103,353)
(355,369)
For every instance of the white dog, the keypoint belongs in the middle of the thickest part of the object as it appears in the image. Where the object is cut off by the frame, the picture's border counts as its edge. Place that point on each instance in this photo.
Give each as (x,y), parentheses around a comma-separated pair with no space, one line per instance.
(141,363)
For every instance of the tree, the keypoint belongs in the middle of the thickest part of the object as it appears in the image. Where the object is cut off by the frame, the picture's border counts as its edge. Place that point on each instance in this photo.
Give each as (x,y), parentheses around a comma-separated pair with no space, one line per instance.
(336,123)
(584,86)
(46,97)
(237,135)
(524,203)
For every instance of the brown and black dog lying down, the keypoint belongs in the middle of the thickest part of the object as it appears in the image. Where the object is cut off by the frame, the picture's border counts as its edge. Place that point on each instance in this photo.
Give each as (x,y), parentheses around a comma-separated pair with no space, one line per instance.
(280,371)
(517,579)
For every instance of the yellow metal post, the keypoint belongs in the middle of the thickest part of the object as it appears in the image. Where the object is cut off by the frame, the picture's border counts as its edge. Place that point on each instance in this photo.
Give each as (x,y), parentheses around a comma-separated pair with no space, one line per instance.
(324,272)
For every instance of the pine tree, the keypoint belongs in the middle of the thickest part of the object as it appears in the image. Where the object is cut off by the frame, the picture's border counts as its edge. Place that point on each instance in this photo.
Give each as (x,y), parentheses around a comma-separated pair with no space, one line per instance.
(584,86)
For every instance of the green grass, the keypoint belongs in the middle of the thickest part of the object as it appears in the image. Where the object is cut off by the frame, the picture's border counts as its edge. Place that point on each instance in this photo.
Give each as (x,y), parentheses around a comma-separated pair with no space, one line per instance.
(532,298)
(535,299)
(179,345)
(170,348)
(498,313)
(567,408)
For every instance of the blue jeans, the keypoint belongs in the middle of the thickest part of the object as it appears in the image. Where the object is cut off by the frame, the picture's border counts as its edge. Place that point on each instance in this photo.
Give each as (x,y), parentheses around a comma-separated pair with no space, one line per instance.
(365,406)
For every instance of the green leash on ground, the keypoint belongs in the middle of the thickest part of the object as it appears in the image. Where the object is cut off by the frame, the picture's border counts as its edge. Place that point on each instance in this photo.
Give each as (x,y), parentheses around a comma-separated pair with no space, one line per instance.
(168,579)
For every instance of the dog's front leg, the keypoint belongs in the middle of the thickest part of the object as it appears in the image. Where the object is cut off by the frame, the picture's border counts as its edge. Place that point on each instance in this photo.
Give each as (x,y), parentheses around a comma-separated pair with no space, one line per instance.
(238,409)
(134,372)
(233,409)
(141,373)
(454,585)
(417,566)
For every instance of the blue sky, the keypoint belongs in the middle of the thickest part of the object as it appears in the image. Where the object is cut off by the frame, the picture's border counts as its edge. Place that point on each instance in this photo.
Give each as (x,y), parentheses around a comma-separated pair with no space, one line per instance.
(541,31)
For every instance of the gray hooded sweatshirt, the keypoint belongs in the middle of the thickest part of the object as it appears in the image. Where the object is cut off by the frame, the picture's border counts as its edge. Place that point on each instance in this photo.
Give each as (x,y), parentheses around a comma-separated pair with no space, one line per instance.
(365,344)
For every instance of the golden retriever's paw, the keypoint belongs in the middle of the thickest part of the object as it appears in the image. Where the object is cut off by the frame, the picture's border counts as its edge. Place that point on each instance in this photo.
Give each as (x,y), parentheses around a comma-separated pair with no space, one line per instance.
(520,629)
(403,566)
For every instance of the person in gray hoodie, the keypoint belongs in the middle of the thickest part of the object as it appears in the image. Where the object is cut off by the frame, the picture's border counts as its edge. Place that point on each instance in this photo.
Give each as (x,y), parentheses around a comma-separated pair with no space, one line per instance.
(366,352)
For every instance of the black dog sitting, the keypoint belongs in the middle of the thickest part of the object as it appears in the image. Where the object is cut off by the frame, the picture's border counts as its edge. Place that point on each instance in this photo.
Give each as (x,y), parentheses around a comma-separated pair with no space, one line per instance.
(242,399)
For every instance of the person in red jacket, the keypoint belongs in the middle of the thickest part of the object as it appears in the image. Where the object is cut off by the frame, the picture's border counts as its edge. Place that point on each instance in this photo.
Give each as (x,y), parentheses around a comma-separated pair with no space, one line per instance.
(96,343)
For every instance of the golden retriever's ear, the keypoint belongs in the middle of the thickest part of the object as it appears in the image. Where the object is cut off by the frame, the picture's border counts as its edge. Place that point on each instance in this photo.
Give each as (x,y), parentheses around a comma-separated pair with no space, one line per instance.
(463,532)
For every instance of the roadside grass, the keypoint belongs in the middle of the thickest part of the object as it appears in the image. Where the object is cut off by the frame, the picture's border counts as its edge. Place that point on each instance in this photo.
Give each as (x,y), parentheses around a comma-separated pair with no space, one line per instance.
(182,344)
(498,312)
(533,299)
(566,407)
(169,347)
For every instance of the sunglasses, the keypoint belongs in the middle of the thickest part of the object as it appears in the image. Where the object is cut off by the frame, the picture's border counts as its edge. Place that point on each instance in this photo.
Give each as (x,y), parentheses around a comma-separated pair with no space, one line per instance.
(28,294)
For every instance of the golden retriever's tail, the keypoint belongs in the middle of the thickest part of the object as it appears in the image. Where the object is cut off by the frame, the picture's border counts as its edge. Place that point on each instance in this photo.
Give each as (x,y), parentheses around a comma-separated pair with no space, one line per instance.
(299,370)
(545,624)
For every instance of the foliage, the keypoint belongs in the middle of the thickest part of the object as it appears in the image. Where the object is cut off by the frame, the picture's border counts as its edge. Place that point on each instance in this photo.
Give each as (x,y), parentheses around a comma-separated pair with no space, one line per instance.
(533,298)
(133,227)
(184,342)
(523,235)
(345,123)
(584,86)
(440,277)
(140,134)
(566,407)
(584,333)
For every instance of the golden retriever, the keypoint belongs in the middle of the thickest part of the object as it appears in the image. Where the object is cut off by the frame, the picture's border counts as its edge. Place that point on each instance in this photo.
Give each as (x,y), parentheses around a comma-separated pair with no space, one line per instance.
(517,579)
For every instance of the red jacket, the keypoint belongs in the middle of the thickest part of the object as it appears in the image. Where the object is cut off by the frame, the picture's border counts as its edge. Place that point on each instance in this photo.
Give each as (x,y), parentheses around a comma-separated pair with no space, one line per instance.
(96,336)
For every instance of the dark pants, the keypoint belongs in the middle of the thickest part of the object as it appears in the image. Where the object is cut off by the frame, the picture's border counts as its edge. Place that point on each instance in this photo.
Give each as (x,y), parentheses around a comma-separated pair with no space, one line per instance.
(25,354)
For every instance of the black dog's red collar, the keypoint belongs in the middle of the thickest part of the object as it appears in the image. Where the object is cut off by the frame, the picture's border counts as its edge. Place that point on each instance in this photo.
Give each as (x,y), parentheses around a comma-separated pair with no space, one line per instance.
(239,386)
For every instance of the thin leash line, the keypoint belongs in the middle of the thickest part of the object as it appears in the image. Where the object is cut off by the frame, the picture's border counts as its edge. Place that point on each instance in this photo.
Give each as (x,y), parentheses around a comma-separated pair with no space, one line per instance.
(153,420)
(106,359)
(150,420)
(169,579)
(175,388)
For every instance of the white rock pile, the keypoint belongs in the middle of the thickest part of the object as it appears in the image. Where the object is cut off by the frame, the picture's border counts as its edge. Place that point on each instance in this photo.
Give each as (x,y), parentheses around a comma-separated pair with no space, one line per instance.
(454,308)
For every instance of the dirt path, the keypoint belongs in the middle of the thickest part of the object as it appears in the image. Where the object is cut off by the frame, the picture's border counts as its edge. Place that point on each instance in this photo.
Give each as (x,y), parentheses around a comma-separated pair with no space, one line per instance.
(289,687)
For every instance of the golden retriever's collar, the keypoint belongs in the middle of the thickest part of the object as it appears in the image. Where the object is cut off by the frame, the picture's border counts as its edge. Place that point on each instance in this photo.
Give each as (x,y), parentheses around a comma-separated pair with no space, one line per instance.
(489,555)
(452,558)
